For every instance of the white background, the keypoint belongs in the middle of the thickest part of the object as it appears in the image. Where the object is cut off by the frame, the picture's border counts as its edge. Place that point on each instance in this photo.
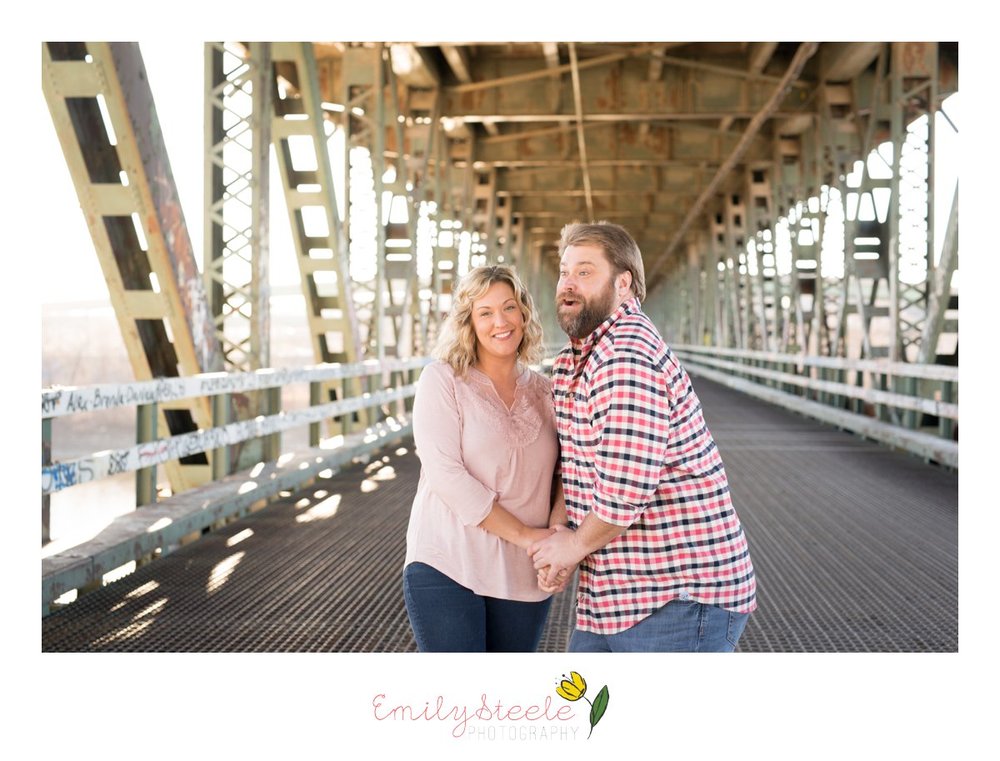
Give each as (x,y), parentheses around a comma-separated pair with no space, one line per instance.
(791,706)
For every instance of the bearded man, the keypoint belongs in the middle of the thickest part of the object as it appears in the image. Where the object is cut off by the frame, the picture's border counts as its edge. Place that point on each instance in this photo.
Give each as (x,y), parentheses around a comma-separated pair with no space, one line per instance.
(664,562)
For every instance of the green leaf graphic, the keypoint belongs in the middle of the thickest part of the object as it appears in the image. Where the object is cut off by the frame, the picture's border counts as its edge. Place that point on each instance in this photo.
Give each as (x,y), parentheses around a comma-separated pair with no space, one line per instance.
(598,707)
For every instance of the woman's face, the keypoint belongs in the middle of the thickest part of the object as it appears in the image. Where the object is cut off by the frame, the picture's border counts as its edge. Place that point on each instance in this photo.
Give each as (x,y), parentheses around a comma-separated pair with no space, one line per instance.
(497,321)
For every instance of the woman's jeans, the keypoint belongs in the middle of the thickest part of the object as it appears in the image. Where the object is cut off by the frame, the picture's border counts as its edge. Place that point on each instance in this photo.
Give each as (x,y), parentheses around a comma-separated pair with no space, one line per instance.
(448,618)
(680,626)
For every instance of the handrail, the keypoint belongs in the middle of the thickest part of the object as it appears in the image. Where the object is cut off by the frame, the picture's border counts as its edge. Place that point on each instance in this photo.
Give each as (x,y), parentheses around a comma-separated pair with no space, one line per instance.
(158,526)
(109,462)
(898,392)
(900,369)
(58,402)
(875,396)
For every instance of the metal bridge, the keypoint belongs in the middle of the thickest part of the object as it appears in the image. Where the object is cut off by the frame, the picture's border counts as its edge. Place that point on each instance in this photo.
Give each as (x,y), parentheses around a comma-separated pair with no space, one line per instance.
(786,200)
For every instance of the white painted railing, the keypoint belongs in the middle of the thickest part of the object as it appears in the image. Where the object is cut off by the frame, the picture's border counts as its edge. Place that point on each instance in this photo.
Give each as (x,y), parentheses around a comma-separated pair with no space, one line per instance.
(58,402)
(157,526)
(886,402)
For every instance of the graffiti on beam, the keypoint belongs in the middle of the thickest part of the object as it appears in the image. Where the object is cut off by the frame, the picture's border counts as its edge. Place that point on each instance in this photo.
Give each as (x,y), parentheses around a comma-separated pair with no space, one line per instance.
(117,462)
(59,476)
(93,398)
(64,401)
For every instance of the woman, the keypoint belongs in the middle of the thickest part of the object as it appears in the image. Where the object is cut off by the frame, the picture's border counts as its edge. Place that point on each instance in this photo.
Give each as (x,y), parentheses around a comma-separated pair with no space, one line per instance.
(485,434)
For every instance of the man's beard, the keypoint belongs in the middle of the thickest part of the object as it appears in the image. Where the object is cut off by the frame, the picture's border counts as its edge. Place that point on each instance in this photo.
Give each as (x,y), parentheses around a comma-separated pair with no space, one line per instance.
(591,314)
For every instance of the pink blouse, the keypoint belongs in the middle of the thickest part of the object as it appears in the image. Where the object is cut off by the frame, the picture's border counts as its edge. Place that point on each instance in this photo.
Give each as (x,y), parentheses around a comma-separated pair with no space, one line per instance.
(474,450)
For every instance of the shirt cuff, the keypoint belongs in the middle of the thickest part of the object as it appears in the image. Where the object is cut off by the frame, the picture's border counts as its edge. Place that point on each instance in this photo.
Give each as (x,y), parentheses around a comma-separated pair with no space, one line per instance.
(613,511)
(475,516)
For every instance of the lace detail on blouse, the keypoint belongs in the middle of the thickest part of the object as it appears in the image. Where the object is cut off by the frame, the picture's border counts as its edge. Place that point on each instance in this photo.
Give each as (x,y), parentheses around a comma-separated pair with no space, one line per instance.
(521,425)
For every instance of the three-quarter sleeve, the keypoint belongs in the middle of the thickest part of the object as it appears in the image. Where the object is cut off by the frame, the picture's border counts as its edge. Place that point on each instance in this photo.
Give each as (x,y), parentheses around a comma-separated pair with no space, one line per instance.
(437,432)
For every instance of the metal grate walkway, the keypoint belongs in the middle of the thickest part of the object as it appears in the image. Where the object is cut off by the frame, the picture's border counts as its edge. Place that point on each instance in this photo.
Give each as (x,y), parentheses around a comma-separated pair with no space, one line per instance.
(855,546)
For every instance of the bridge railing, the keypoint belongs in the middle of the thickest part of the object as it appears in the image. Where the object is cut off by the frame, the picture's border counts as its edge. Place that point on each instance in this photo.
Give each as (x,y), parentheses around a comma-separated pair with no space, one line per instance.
(159,526)
(909,406)
(144,395)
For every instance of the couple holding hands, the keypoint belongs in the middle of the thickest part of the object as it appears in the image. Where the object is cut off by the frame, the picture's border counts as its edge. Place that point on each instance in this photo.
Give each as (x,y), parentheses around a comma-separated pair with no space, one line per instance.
(607,468)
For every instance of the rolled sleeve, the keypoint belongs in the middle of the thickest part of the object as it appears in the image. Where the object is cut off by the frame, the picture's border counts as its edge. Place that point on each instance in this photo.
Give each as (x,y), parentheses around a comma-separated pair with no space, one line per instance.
(632,416)
(437,433)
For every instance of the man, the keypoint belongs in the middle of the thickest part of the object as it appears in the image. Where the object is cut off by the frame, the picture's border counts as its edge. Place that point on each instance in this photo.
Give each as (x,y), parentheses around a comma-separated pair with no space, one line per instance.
(664,563)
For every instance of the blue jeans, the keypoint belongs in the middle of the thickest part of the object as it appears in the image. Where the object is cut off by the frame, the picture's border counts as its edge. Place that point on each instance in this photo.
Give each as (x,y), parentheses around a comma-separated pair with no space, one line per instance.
(449,618)
(680,626)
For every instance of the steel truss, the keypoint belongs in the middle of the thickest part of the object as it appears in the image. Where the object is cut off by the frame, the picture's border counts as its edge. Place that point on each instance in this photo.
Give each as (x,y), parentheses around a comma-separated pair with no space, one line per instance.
(887,296)
(236,255)
(102,107)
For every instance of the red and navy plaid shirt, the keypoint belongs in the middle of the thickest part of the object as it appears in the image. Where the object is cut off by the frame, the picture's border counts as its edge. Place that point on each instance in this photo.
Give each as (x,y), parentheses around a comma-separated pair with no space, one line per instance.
(636,452)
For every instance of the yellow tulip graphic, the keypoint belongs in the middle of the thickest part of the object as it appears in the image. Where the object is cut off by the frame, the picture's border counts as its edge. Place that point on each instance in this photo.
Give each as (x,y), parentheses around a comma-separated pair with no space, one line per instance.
(575,687)
(572,690)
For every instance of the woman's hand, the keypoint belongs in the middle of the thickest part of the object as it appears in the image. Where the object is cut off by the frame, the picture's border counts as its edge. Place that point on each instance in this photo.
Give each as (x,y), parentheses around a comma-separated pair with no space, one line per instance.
(561,580)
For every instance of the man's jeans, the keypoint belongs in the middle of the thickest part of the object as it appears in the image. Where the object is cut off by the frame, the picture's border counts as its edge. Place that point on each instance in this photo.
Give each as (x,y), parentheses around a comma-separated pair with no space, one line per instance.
(449,618)
(680,626)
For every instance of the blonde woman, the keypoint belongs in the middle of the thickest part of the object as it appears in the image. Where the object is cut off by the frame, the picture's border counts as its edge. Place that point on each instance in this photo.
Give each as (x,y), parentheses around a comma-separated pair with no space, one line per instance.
(485,435)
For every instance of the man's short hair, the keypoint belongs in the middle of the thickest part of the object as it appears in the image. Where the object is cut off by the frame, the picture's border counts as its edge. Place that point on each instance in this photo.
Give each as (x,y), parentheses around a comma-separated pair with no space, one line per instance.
(618,245)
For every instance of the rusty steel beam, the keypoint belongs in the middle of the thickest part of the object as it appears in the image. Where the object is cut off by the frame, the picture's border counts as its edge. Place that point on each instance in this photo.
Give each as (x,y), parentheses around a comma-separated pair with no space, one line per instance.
(581,140)
(805,51)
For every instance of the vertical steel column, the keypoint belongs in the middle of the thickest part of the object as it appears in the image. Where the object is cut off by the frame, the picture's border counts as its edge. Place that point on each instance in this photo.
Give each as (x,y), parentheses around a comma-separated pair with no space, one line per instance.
(760,222)
(940,293)
(145,478)
(376,339)
(786,163)
(914,103)
(401,261)
(736,269)
(102,107)
(848,137)
(236,256)
(732,334)
(714,306)
(359,65)
(300,136)
(694,278)
(914,97)
(221,416)
(46,460)
(446,250)
(839,145)
(237,143)
(484,217)
(898,136)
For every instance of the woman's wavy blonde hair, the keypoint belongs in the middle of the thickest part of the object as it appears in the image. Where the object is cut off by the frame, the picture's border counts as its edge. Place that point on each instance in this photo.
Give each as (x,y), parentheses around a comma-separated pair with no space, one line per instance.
(457,344)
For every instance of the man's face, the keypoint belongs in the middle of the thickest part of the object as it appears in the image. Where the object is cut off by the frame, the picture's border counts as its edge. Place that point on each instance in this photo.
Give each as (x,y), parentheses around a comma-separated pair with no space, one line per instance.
(587,291)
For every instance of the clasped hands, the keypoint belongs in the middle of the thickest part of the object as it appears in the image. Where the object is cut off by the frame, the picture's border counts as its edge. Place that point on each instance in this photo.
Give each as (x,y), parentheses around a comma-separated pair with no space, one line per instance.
(555,557)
